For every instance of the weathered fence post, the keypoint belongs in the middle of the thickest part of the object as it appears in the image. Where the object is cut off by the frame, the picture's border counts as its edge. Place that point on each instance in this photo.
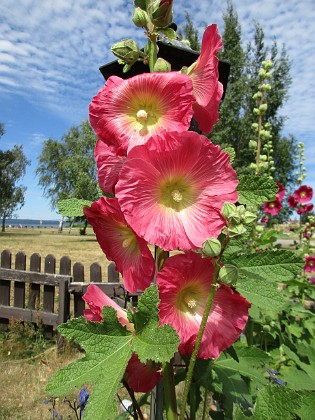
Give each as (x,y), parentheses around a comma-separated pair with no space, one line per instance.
(5,286)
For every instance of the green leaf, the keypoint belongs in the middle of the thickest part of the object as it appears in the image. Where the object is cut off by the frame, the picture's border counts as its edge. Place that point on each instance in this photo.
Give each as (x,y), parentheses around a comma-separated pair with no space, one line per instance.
(253,189)
(309,369)
(151,341)
(250,363)
(307,409)
(262,294)
(270,265)
(72,207)
(103,366)
(297,379)
(275,402)
(267,237)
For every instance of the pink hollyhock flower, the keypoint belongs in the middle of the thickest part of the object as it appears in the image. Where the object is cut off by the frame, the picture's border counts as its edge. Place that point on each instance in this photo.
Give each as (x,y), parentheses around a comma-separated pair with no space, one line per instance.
(281,192)
(303,194)
(307,208)
(264,219)
(108,166)
(126,113)
(97,299)
(292,201)
(119,242)
(184,285)
(142,377)
(311,280)
(205,74)
(272,207)
(171,190)
(139,376)
(309,266)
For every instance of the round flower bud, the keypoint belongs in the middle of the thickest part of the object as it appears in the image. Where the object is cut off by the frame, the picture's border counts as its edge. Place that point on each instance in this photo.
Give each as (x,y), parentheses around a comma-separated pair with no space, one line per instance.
(252,144)
(263,158)
(259,229)
(140,17)
(162,65)
(228,274)
(228,210)
(266,328)
(262,73)
(237,230)
(249,217)
(126,50)
(211,247)
(263,107)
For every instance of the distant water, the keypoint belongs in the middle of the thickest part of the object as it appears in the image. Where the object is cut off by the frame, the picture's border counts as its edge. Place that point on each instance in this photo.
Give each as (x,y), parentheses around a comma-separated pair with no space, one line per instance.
(30,223)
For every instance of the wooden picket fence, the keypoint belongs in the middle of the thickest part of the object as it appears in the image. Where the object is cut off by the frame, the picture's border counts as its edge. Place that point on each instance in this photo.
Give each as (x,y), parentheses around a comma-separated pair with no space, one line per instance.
(46,297)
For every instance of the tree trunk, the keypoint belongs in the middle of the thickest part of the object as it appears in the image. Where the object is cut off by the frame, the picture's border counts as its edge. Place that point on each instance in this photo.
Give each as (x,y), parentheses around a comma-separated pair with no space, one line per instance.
(3,222)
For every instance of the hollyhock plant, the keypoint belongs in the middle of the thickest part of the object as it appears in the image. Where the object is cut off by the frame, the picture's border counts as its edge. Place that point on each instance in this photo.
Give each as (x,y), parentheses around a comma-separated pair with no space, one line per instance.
(184,285)
(303,194)
(171,190)
(281,192)
(142,377)
(108,166)
(119,242)
(309,266)
(272,207)
(126,113)
(292,201)
(205,74)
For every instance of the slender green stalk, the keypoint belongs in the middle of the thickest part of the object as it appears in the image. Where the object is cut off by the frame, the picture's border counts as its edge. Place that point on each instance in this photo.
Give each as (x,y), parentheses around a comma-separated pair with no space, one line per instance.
(204,410)
(198,340)
(169,391)
(152,47)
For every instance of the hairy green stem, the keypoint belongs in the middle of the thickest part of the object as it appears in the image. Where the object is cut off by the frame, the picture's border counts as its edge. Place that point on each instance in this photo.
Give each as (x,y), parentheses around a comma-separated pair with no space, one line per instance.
(204,410)
(152,49)
(198,340)
(169,391)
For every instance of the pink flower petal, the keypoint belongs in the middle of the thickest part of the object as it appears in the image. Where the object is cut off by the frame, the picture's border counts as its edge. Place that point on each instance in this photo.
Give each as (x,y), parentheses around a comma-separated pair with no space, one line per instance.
(108,165)
(119,242)
(97,299)
(184,285)
(281,192)
(171,190)
(303,194)
(272,207)
(127,113)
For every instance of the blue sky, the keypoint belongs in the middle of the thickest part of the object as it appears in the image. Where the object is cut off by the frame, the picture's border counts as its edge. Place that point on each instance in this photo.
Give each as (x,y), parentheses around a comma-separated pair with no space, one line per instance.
(50,52)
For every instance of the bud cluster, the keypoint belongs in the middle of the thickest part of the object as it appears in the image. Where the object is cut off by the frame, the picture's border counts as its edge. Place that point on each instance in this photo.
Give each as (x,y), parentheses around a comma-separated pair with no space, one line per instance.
(154,16)
(264,162)
(237,217)
(300,156)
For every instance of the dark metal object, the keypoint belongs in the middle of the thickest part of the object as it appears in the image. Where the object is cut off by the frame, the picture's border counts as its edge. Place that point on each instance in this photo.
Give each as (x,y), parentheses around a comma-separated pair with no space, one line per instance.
(172,51)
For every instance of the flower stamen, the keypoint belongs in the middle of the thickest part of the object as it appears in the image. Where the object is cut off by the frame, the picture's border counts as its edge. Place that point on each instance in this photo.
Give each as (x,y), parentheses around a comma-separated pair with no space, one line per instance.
(142,115)
(177,196)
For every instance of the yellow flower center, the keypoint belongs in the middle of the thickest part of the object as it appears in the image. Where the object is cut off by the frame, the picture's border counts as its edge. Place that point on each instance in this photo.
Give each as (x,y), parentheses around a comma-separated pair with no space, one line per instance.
(191,299)
(311,263)
(271,205)
(177,193)
(302,194)
(128,238)
(142,115)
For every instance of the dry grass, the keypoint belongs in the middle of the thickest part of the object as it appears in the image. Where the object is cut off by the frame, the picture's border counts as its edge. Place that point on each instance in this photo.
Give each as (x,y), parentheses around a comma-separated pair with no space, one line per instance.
(84,249)
(24,382)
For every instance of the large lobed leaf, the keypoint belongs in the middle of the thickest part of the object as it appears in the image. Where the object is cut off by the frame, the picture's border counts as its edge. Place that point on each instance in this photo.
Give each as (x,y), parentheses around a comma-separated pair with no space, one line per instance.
(104,366)
(271,266)
(253,189)
(154,342)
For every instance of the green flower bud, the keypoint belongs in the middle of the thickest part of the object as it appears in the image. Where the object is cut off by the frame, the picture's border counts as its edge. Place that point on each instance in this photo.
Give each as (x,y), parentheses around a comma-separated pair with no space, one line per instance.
(262,73)
(228,274)
(211,247)
(228,210)
(273,324)
(126,50)
(257,95)
(263,158)
(253,166)
(259,229)
(267,65)
(266,328)
(252,144)
(255,126)
(140,17)
(263,107)
(162,65)
(249,217)
(267,75)
(256,111)
(160,12)
(237,230)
